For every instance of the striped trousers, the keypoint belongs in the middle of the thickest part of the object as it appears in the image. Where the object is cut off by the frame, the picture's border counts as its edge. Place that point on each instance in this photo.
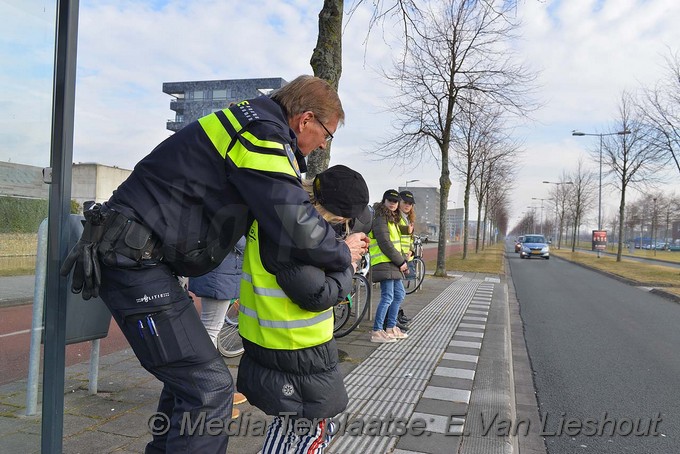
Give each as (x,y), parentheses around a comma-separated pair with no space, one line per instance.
(284,440)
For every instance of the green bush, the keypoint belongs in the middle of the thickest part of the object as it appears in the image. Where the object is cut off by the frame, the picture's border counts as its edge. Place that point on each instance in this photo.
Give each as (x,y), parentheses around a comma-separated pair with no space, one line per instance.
(19,215)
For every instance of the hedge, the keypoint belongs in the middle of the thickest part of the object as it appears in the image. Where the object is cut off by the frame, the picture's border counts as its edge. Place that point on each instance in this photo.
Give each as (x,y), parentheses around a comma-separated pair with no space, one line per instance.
(18,215)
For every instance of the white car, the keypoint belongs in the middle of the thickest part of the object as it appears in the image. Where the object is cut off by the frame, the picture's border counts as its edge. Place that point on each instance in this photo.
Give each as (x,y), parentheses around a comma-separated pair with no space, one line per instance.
(534,246)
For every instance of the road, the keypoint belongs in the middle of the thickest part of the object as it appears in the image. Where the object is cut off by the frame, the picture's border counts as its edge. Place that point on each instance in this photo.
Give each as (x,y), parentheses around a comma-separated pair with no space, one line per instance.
(15,339)
(603,354)
(16,318)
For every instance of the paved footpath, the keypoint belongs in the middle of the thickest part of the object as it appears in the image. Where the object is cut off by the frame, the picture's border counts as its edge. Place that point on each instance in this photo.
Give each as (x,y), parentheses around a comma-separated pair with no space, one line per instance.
(434,392)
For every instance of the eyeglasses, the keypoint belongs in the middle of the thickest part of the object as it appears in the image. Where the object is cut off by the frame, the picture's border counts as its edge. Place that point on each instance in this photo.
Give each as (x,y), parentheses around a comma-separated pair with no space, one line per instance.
(329,136)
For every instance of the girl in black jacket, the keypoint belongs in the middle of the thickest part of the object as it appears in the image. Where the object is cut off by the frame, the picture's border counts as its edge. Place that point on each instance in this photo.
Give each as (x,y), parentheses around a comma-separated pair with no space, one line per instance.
(290,384)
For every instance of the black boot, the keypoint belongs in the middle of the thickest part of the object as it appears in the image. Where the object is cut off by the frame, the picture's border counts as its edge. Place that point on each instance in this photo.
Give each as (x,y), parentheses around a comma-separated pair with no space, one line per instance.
(402,326)
(402,317)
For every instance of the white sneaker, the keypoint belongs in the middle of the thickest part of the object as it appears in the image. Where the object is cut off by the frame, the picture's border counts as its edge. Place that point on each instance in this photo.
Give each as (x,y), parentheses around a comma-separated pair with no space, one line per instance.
(396,333)
(381,337)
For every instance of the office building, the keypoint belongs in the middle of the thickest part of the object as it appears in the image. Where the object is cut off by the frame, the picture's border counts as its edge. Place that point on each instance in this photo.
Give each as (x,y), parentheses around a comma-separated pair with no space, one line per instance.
(196,99)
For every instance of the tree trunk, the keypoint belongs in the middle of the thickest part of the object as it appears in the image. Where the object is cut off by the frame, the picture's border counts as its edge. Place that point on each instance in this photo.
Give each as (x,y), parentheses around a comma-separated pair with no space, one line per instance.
(444,187)
(622,207)
(326,62)
(478,230)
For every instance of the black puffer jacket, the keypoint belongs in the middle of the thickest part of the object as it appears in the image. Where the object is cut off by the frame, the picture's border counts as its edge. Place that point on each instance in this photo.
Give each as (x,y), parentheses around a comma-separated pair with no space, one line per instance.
(305,382)
(386,270)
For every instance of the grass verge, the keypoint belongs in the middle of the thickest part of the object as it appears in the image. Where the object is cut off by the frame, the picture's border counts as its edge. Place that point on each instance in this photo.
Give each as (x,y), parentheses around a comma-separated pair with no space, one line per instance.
(489,261)
(643,274)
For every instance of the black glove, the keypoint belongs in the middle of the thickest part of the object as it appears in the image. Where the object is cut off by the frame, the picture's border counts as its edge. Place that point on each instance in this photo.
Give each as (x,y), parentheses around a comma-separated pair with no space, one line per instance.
(84,258)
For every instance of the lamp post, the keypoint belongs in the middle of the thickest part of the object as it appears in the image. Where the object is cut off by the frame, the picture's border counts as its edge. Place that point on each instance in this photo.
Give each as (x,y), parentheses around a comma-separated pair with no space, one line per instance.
(410,181)
(599,196)
(533,218)
(654,227)
(540,219)
(557,184)
(452,219)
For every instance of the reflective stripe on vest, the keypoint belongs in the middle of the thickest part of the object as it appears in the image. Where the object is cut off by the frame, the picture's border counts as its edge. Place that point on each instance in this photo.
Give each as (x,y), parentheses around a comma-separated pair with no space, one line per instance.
(267,317)
(247,151)
(377,255)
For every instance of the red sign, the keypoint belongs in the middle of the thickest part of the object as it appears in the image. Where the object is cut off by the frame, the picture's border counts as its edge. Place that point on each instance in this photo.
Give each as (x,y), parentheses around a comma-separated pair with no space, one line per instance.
(599,240)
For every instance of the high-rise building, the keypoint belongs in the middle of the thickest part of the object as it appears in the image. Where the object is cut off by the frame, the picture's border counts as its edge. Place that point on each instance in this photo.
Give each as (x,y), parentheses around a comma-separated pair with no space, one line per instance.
(427,209)
(197,99)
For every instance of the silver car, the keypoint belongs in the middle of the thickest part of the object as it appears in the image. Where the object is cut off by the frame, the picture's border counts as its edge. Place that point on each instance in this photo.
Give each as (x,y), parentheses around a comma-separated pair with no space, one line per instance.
(534,246)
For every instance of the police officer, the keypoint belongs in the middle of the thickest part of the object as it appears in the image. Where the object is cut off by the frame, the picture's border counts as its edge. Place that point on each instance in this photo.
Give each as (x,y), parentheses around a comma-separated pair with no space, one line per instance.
(180,212)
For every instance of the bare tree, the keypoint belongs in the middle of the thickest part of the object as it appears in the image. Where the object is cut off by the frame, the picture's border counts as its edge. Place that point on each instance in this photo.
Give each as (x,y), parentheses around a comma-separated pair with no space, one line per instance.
(660,109)
(475,131)
(458,50)
(632,158)
(583,190)
(495,170)
(496,202)
(562,194)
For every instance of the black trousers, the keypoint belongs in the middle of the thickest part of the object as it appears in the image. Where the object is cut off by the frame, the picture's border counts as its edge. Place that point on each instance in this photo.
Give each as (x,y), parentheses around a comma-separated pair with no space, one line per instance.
(160,322)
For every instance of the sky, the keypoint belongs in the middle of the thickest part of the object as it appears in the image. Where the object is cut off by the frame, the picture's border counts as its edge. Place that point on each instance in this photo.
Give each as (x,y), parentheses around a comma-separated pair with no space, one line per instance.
(585,53)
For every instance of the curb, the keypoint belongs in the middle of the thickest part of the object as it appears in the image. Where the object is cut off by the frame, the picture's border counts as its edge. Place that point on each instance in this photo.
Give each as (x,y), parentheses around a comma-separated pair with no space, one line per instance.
(16,302)
(525,405)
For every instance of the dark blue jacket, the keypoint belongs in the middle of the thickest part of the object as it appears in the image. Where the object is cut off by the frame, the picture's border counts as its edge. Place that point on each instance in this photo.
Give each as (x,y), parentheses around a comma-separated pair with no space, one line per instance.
(224,282)
(199,202)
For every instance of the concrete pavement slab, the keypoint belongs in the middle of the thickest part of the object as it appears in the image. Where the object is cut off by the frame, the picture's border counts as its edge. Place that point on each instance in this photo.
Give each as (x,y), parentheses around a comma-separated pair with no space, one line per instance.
(408,379)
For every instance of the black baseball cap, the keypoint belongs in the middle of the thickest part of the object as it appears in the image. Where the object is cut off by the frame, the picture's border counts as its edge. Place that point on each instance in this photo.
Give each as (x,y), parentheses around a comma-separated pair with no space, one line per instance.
(342,191)
(392,195)
(407,196)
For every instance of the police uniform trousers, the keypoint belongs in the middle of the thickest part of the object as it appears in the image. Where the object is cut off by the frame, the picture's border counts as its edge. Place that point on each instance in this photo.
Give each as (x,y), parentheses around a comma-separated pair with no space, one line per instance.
(160,322)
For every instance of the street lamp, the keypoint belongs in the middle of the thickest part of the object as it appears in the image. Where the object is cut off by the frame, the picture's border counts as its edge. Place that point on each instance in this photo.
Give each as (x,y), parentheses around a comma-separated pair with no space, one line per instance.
(599,197)
(533,218)
(540,219)
(410,181)
(654,227)
(557,184)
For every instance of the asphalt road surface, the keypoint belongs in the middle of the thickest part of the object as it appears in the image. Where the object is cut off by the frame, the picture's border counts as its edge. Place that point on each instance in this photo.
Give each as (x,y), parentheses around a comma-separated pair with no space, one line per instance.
(605,359)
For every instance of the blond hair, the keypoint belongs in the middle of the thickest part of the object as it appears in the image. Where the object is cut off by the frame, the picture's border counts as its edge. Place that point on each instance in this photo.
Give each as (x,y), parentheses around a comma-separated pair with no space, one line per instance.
(309,93)
(331,218)
(411,215)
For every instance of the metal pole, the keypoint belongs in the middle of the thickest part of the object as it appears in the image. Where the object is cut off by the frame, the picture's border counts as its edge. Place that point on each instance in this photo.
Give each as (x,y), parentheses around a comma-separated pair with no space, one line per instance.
(52,428)
(599,197)
(37,323)
(94,366)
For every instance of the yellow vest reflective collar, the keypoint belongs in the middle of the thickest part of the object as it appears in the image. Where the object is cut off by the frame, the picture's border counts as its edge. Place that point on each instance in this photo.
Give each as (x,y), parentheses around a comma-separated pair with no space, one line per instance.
(267,317)
(377,255)
(244,149)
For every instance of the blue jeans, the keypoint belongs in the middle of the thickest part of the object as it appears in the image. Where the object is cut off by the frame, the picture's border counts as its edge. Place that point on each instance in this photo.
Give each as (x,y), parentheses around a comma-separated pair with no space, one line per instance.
(391,295)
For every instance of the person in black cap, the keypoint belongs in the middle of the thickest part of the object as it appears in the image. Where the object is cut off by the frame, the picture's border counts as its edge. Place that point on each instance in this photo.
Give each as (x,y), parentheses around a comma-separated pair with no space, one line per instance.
(290,362)
(388,266)
(407,226)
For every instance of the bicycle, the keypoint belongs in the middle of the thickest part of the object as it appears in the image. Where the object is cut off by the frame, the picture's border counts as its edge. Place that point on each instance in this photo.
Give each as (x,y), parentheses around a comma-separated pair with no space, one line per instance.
(349,314)
(416,268)
(229,342)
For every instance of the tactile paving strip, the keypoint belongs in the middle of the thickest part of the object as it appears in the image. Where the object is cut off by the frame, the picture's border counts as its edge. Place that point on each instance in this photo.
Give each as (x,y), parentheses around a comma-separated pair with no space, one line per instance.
(395,376)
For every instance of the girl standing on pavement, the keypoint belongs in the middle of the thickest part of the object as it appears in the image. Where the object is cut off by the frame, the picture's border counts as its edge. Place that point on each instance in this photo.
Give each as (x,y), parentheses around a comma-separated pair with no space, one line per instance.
(290,363)
(388,265)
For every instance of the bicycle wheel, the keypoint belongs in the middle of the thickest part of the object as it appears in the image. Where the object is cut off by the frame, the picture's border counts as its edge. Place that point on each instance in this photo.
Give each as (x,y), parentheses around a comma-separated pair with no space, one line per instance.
(411,285)
(361,299)
(341,314)
(229,342)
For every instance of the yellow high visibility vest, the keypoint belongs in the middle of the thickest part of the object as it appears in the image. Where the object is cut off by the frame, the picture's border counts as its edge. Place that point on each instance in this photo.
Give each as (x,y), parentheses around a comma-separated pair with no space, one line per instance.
(267,317)
(406,238)
(377,256)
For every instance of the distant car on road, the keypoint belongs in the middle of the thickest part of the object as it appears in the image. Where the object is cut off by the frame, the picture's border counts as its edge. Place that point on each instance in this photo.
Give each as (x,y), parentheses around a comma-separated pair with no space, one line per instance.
(518,243)
(534,246)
